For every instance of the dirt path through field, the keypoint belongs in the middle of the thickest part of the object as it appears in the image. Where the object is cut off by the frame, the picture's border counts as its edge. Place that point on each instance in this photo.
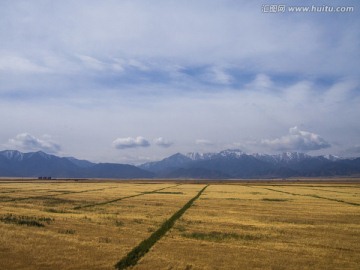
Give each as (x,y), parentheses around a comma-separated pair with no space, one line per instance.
(313,196)
(139,251)
(53,195)
(122,198)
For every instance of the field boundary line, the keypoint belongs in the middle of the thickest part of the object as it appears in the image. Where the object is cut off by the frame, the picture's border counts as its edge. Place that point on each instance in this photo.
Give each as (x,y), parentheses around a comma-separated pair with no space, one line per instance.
(53,195)
(328,190)
(122,198)
(139,251)
(313,196)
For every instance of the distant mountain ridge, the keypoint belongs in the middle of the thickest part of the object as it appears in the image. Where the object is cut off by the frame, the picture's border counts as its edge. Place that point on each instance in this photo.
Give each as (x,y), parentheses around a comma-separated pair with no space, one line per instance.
(35,164)
(234,163)
(231,163)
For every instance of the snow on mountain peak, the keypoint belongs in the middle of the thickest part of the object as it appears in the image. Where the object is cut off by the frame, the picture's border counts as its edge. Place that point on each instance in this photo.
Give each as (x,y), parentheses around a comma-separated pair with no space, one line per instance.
(232,153)
(331,157)
(199,156)
(293,156)
(12,154)
(225,153)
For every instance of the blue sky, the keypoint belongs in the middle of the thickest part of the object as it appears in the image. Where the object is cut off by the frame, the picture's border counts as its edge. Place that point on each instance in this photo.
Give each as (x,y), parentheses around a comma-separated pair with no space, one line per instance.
(133,81)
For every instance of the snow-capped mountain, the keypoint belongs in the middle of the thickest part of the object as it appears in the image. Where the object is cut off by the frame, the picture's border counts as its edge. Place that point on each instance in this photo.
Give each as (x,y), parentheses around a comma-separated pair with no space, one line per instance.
(332,157)
(12,155)
(230,163)
(199,156)
(235,153)
(237,164)
(286,157)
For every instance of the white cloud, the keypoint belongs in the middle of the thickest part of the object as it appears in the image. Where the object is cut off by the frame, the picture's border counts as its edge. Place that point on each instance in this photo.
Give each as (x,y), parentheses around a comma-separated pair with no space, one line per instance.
(27,142)
(340,92)
(201,32)
(297,140)
(138,65)
(218,74)
(261,81)
(222,69)
(162,142)
(91,62)
(129,142)
(14,63)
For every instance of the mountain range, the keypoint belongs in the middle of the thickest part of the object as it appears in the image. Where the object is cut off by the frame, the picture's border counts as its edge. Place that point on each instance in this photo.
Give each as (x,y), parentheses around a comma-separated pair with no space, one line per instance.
(36,164)
(222,165)
(237,164)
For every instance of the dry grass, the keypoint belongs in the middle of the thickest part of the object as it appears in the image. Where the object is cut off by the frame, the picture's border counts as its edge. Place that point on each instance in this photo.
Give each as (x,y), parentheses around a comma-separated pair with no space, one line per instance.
(92,238)
(250,227)
(231,226)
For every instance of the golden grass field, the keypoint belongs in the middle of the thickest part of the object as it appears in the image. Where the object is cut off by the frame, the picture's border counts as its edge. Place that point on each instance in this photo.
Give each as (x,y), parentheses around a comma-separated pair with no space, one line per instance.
(231,225)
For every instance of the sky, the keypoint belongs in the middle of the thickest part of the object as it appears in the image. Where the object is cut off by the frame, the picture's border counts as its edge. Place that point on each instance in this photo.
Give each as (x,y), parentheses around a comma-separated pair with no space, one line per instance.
(135,81)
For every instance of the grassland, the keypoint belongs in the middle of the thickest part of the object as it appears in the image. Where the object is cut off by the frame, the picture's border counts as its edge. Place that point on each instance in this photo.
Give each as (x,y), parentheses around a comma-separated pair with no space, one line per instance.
(179,225)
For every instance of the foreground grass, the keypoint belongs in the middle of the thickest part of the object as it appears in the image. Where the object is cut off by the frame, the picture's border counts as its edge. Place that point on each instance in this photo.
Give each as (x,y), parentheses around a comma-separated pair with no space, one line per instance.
(243,227)
(90,238)
(230,226)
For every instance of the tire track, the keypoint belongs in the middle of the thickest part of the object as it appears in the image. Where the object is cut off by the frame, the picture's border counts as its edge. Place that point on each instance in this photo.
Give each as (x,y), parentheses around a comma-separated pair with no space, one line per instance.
(328,190)
(53,195)
(312,195)
(122,198)
(139,251)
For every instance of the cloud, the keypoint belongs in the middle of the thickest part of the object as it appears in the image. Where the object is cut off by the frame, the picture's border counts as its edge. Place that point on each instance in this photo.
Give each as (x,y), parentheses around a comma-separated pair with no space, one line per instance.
(27,142)
(92,63)
(18,64)
(223,69)
(218,75)
(261,81)
(204,142)
(129,142)
(162,142)
(203,32)
(297,140)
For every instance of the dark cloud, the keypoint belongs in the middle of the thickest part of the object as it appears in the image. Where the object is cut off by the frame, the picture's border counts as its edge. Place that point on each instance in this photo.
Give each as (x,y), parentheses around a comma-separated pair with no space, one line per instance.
(129,142)
(162,142)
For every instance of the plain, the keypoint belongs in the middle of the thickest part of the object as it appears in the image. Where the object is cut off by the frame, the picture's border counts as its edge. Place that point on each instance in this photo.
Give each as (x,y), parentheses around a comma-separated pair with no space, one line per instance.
(229,225)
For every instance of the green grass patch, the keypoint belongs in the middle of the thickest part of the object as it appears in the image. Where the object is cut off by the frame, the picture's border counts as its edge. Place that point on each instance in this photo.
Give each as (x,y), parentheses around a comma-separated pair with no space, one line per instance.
(315,196)
(138,220)
(180,228)
(275,200)
(58,211)
(332,199)
(119,223)
(220,236)
(66,231)
(52,201)
(105,240)
(25,220)
(165,192)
